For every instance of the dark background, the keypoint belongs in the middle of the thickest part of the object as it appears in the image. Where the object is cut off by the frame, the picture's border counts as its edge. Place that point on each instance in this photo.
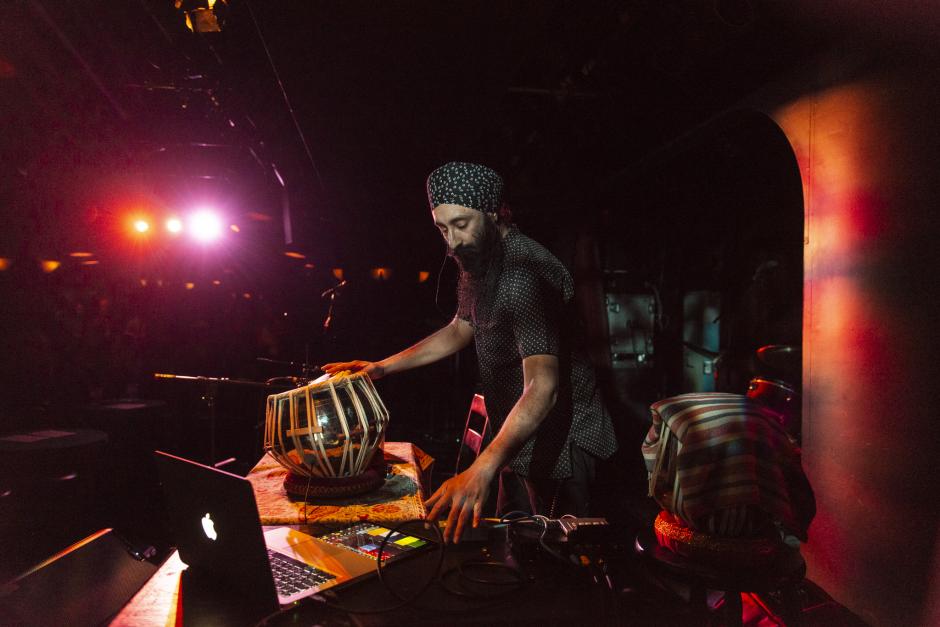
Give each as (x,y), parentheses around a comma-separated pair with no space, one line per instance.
(617,126)
(639,142)
(601,117)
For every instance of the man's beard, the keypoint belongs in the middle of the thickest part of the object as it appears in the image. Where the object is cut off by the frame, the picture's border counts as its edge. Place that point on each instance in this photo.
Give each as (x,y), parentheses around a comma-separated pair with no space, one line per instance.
(476,259)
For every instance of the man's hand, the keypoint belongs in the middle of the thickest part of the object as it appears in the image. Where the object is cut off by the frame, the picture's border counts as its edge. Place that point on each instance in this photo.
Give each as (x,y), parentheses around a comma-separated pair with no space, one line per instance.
(371,368)
(464,496)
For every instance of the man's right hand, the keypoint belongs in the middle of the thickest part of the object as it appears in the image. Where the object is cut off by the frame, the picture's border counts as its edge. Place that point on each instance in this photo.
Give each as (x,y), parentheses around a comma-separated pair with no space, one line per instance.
(371,368)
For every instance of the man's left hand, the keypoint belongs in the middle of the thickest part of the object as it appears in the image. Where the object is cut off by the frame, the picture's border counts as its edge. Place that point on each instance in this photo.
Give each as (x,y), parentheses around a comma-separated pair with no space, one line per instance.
(462,496)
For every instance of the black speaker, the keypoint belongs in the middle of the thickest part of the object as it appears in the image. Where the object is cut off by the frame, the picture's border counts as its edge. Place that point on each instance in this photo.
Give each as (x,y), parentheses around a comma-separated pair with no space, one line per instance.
(85,584)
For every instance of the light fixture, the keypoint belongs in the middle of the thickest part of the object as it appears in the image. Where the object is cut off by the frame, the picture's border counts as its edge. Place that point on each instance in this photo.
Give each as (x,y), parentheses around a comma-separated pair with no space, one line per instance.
(205,226)
(174,225)
(203,16)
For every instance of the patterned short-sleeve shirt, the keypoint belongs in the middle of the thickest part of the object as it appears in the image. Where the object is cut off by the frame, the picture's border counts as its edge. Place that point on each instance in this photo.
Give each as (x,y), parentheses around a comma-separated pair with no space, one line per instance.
(532,313)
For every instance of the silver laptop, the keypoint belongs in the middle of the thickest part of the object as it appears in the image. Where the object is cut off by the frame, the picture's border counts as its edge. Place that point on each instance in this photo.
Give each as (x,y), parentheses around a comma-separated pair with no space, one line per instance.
(219,536)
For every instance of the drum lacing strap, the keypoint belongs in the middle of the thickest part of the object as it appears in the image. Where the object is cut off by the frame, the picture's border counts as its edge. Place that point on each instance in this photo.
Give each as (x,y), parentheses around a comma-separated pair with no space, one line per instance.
(664,433)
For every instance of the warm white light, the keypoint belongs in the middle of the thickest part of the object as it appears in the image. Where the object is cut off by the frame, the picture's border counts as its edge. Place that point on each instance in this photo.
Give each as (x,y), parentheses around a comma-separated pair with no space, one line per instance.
(205,226)
(141,226)
(174,225)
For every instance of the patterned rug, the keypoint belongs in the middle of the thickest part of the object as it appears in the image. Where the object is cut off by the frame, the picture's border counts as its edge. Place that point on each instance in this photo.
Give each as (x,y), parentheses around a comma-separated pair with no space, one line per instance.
(400,498)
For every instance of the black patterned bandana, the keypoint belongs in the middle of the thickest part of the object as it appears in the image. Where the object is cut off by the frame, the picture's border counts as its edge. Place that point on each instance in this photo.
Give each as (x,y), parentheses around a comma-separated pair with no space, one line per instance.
(465,184)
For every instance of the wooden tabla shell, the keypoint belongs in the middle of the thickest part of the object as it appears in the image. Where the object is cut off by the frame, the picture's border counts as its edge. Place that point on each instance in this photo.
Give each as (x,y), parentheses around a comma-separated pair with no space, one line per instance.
(338,444)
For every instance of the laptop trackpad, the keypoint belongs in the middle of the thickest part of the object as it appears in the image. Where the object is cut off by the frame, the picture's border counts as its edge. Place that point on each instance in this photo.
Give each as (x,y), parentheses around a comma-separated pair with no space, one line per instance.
(284,537)
(303,547)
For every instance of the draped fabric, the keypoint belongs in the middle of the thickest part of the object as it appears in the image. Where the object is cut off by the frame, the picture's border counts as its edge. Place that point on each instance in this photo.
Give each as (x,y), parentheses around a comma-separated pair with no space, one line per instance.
(719,453)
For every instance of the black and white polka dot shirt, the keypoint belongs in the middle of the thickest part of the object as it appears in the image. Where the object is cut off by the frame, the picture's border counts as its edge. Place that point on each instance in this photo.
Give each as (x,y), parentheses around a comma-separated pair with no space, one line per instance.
(532,313)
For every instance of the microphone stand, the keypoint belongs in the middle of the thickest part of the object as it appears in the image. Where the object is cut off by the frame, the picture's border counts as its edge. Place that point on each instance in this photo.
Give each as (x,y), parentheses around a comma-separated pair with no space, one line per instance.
(328,321)
(306,369)
(209,397)
(331,292)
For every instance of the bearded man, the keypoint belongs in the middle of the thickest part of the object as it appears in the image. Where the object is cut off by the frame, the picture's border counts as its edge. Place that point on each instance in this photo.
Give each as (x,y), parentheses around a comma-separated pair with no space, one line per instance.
(515,302)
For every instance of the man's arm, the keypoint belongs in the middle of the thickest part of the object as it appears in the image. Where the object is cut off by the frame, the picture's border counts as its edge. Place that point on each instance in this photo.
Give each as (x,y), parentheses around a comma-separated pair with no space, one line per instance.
(438,345)
(466,493)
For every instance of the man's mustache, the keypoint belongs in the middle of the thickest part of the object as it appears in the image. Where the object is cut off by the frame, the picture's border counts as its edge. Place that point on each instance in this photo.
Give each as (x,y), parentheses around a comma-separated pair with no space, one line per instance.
(464,250)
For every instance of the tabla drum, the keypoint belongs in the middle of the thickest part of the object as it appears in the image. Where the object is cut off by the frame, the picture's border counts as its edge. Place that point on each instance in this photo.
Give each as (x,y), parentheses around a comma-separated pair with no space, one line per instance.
(329,436)
(780,398)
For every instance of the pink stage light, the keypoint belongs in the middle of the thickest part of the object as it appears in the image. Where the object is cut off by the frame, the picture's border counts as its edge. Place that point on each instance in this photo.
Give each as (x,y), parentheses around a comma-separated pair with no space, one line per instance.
(205,226)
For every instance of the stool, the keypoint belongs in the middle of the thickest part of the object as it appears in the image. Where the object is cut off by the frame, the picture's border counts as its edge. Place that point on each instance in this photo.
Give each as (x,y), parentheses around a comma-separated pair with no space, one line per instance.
(783,573)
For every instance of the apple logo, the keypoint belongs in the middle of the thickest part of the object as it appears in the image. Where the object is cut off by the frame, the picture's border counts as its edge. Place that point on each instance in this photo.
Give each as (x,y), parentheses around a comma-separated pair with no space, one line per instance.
(209,527)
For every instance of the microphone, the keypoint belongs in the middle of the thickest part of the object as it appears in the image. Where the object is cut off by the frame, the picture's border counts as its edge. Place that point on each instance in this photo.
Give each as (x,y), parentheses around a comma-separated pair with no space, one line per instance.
(333,289)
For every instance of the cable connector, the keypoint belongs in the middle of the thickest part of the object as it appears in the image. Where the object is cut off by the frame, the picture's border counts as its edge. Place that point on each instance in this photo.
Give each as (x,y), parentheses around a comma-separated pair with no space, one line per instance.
(569,529)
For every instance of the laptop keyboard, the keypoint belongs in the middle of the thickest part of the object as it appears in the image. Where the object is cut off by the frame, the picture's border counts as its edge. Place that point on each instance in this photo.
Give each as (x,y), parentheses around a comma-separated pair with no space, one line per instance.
(292,576)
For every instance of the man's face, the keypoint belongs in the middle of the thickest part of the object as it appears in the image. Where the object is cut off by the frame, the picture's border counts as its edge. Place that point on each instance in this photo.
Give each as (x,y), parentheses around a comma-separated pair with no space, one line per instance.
(470,235)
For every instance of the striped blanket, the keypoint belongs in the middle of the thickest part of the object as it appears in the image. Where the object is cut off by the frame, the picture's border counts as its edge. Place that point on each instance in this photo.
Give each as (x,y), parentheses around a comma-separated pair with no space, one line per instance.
(714,452)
